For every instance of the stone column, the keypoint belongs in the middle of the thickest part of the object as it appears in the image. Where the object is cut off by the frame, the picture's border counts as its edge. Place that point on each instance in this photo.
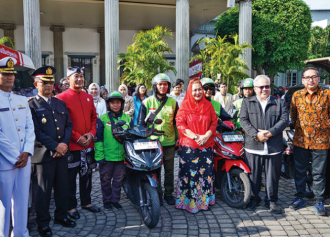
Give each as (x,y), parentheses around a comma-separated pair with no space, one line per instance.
(100,30)
(245,30)
(58,51)
(8,32)
(31,12)
(182,40)
(111,34)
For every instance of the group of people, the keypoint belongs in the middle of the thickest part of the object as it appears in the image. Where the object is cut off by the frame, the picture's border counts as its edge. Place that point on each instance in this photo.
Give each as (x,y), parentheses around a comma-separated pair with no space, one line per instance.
(52,139)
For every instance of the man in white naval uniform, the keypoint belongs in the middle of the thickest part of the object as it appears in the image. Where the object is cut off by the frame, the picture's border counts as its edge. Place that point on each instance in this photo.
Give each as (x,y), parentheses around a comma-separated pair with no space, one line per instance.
(16,147)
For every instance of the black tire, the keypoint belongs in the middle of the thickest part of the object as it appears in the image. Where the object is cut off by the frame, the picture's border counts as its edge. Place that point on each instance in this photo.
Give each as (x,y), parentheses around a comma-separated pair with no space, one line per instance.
(240,196)
(151,209)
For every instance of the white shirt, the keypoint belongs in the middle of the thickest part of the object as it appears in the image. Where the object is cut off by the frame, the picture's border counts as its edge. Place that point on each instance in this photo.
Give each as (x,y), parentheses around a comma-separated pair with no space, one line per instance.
(178,99)
(45,98)
(265,150)
(100,107)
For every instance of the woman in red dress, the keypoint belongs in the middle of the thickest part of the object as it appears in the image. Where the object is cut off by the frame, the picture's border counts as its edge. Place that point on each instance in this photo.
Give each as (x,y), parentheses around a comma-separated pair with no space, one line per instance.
(196,122)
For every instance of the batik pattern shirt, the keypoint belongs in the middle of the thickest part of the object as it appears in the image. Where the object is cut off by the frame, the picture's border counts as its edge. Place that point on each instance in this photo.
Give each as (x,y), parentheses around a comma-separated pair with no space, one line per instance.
(311,118)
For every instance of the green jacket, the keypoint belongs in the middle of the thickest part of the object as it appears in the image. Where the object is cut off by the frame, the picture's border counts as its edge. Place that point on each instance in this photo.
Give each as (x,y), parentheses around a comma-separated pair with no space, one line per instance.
(216,106)
(107,148)
(167,114)
(238,105)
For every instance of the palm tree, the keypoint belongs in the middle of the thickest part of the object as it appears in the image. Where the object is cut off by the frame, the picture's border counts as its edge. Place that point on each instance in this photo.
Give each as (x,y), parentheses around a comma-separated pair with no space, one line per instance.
(145,57)
(224,59)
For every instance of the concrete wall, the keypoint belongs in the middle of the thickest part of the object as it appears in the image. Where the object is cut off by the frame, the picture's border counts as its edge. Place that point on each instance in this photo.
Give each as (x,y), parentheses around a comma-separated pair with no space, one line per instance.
(321,15)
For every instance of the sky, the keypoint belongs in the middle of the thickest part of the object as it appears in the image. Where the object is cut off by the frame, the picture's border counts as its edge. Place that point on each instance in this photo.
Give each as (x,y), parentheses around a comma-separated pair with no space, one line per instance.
(318,4)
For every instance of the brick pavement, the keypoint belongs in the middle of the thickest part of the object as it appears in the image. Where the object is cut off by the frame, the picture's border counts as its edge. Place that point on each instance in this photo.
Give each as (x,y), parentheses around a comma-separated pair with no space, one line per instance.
(220,220)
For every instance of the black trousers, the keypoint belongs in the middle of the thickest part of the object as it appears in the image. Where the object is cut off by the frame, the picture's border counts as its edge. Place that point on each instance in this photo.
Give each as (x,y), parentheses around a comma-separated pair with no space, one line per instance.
(168,162)
(319,164)
(86,164)
(272,166)
(111,176)
(45,176)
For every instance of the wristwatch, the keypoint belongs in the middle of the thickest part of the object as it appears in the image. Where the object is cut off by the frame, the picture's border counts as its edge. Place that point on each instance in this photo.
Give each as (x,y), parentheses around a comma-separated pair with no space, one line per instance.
(195,137)
(254,136)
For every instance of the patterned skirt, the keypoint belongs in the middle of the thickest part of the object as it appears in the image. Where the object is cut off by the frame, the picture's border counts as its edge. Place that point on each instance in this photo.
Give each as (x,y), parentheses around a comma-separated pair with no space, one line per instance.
(195,182)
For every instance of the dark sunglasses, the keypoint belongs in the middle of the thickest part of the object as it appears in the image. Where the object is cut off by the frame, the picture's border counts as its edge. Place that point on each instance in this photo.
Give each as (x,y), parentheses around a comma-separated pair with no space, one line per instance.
(47,82)
(263,87)
(208,88)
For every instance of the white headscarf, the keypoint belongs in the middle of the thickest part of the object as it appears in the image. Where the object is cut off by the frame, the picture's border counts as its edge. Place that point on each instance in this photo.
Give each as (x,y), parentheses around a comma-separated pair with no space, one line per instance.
(125,88)
(97,97)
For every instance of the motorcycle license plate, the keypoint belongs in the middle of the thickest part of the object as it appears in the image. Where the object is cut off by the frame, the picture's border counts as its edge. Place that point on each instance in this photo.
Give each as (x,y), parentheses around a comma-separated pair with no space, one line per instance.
(233,138)
(145,145)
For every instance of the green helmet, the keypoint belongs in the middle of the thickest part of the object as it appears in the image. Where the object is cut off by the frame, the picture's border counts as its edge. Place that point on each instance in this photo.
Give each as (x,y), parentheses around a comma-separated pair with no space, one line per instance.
(207,81)
(115,95)
(246,83)
(159,78)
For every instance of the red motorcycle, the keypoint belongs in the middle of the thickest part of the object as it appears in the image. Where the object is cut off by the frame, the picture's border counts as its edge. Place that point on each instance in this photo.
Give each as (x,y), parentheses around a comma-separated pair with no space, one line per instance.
(230,169)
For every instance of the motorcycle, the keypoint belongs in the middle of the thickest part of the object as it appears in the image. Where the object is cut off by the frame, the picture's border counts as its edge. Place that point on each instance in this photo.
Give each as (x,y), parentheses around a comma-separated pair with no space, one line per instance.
(288,169)
(230,169)
(144,158)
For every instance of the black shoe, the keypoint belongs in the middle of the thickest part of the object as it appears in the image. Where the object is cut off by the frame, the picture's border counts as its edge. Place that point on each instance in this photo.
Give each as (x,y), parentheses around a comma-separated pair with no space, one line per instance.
(65,222)
(161,202)
(107,205)
(274,208)
(45,231)
(170,200)
(74,215)
(267,204)
(92,208)
(252,205)
(116,206)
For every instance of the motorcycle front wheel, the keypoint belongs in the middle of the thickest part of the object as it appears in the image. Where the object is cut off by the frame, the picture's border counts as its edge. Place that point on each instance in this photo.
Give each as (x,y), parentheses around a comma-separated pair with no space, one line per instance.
(150,208)
(239,194)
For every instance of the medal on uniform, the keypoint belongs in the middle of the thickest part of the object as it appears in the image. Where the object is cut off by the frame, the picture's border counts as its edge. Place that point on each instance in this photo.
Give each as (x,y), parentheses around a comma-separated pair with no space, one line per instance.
(88,99)
(44,120)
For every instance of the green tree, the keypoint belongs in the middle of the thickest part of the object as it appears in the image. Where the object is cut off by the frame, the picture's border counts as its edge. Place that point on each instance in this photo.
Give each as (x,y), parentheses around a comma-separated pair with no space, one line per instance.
(319,45)
(280,34)
(145,57)
(9,40)
(222,57)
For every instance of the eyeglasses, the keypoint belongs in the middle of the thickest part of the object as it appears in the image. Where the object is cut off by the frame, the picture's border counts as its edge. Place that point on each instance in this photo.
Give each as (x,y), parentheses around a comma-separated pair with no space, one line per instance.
(142,88)
(263,87)
(66,84)
(311,77)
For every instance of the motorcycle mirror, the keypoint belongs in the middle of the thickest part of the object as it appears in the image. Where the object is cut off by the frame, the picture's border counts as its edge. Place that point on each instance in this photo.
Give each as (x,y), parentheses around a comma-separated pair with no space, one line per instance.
(120,123)
(158,121)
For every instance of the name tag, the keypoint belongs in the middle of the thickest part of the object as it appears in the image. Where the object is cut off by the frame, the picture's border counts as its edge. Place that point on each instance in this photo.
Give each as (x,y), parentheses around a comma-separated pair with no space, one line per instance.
(4,109)
(40,109)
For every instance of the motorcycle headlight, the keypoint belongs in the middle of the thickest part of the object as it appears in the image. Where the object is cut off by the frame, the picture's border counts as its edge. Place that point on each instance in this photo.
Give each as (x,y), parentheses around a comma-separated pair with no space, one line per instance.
(158,157)
(223,145)
(130,150)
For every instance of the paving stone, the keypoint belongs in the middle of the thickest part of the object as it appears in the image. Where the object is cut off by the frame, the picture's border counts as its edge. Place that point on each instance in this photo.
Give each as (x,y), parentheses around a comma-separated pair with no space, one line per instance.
(220,220)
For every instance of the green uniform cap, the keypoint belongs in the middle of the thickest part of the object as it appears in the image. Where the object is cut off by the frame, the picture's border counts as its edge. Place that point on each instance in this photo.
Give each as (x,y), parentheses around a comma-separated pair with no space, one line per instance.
(248,82)
(206,81)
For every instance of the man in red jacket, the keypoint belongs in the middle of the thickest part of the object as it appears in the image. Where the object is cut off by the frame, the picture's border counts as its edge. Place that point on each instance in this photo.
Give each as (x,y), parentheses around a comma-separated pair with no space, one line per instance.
(83,115)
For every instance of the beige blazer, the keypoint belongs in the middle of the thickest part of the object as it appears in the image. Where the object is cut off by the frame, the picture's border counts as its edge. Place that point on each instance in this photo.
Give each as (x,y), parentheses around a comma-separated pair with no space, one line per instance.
(225,104)
(129,106)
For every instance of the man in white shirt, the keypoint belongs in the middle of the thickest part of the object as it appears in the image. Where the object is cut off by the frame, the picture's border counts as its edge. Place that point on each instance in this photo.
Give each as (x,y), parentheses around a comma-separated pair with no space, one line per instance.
(16,148)
(264,118)
(224,98)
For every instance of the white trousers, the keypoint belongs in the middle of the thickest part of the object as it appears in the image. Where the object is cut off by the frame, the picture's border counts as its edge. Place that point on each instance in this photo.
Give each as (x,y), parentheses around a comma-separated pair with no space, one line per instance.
(14,196)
